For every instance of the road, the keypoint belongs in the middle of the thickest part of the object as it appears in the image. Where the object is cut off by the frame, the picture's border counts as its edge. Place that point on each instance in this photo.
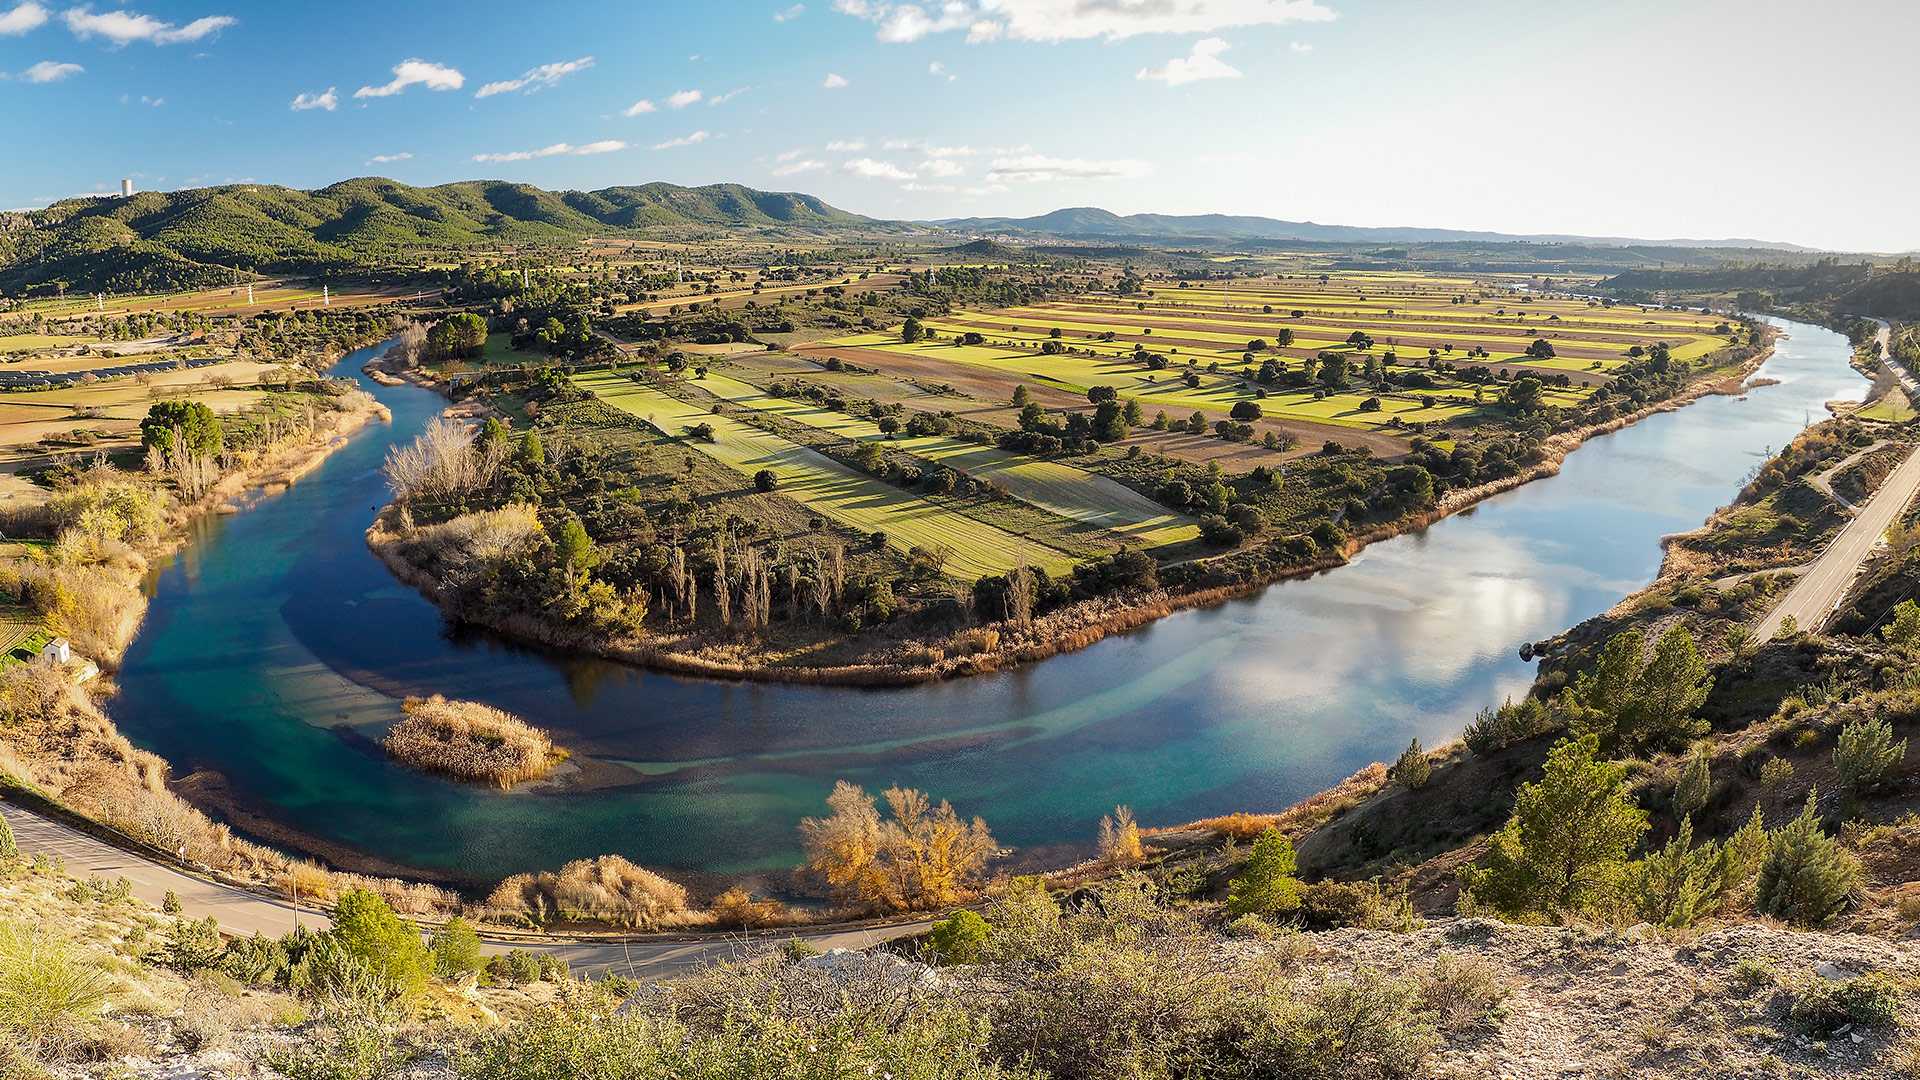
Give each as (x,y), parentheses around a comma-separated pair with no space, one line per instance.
(244,913)
(1818,591)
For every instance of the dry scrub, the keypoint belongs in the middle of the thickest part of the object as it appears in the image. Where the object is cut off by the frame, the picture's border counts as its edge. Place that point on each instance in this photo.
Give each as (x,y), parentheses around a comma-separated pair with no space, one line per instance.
(608,889)
(471,741)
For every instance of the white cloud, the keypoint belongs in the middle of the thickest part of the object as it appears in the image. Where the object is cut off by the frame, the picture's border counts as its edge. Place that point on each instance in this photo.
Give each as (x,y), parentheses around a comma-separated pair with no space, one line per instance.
(926,187)
(383,159)
(537,79)
(1035,168)
(939,71)
(790,154)
(834,82)
(1061,20)
(1300,48)
(683,99)
(728,96)
(122,27)
(869,169)
(798,167)
(27,16)
(686,140)
(789,14)
(941,167)
(47,71)
(328,101)
(557,149)
(638,107)
(1202,63)
(416,73)
(852,146)
(156,102)
(985,189)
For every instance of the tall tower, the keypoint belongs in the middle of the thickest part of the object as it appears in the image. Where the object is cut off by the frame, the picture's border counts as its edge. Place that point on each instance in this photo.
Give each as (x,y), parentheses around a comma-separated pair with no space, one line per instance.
(126,189)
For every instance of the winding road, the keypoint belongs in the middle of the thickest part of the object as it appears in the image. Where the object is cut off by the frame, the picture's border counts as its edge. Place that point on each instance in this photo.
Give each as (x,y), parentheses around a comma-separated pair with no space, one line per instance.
(243,913)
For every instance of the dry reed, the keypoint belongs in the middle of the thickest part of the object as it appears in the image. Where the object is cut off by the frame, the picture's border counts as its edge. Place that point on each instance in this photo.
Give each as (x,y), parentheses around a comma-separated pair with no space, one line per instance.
(471,741)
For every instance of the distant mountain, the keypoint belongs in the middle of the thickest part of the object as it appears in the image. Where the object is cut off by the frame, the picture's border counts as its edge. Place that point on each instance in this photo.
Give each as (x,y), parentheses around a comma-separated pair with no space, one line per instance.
(1091,222)
(184,239)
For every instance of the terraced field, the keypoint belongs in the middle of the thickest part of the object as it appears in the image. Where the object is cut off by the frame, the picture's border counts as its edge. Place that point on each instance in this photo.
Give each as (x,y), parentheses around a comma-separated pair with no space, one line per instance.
(1061,489)
(835,490)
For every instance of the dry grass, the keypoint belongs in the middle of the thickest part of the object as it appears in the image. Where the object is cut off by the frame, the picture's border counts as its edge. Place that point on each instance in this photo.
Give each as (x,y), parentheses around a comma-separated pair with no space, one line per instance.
(608,889)
(471,741)
(1302,816)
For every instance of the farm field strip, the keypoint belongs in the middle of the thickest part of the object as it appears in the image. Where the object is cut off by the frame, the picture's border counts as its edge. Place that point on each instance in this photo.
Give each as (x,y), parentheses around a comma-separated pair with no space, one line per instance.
(1052,486)
(835,490)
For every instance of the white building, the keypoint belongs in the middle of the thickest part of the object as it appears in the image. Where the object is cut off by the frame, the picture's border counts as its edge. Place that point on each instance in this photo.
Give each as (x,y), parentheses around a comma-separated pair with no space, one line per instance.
(59,650)
(126,189)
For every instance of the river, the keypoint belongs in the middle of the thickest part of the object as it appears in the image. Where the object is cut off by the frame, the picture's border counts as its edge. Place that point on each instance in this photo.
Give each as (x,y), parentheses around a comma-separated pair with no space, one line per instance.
(275,625)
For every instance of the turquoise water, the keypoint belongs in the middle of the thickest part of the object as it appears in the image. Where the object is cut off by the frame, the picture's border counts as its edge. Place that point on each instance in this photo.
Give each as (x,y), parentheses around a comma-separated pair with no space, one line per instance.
(276,624)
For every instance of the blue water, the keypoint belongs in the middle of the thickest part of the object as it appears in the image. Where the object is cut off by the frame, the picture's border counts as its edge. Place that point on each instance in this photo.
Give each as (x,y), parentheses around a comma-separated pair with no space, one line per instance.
(276,624)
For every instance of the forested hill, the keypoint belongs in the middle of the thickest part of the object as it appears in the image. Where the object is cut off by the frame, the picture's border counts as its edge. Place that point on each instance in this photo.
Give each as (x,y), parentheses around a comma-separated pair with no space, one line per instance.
(184,239)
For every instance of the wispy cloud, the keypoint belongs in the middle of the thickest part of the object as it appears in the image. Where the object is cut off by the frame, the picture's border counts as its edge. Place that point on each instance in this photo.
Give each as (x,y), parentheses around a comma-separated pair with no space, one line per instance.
(794,168)
(415,73)
(790,154)
(941,167)
(869,169)
(834,82)
(728,96)
(685,140)
(1062,20)
(122,27)
(26,17)
(603,147)
(939,71)
(536,79)
(790,14)
(1300,47)
(386,159)
(47,71)
(683,98)
(1203,62)
(851,146)
(328,101)
(1036,168)
(638,107)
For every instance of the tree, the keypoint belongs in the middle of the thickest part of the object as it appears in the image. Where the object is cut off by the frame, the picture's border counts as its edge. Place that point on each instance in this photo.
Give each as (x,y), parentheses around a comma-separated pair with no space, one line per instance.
(531,452)
(191,421)
(1246,410)
(9,847)
(1267,888)
(465,334)
(1021,397)
(1333,370)
(1696,783)
(1523,394)
(1867,757)
(1680,883)
(1903,632)
(1132,414)
(574,548)
(1565,847)
(1413,769)
(366,927)
(1284,337)
(1109,422)
(957,939)
(1598,702)
(456,949)
(1541,349)
(912,331)
(1670,689)
(764,480)
(923,856)
(1806,877)
(1120,836)
(1098,394)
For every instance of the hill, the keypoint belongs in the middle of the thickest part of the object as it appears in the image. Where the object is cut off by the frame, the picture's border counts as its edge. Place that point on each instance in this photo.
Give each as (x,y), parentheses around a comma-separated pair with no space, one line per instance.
(196,237)
(1082,222)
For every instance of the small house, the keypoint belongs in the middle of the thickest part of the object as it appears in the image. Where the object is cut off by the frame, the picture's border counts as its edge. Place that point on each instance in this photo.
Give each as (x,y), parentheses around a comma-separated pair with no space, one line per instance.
(59,651)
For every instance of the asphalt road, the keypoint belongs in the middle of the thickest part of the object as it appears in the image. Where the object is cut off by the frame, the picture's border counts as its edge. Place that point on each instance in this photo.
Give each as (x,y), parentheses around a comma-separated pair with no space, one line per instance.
(1820,589)
(243,913)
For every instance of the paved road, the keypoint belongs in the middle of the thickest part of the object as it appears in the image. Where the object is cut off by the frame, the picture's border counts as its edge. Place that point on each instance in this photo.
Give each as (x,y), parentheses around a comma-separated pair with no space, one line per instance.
(241,912)
(1819,590)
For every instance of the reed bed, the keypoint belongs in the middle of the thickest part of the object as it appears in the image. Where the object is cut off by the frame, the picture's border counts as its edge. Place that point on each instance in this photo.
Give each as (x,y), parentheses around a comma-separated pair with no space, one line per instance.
(471,741)
(608,889)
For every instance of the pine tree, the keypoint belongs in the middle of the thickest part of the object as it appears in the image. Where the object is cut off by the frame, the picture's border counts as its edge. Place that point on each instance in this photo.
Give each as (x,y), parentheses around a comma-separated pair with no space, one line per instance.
(1680,883)
(1696,783)
(1268,888)
(1806,878)
(1565,847)
(1599,703)
(1867,757)
(1671,688)
(1413,769)
(9,848)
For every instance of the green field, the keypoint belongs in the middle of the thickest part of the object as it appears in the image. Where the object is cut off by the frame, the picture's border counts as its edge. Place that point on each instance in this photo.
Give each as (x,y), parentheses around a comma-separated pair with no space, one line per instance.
(1061,489)
(835,490)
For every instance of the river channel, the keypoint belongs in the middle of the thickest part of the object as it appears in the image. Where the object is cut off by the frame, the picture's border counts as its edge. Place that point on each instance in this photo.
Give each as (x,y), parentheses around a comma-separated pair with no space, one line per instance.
(275,626)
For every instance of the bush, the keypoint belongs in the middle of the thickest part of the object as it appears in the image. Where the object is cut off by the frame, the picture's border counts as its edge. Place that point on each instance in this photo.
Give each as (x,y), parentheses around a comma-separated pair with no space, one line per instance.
(957,938)
(1462,995)
(1413,770)
(1821,1007)
(1329,905)
(1268,887)
(365,926)
(1867,757)
(1252,926)
(456,949)
(608,889)
(350,1048)
(764,480)
(1496,729)
(46,989)
(1806,877)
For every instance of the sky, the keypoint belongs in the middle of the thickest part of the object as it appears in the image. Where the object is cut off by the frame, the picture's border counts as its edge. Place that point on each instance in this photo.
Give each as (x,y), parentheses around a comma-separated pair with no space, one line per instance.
(1782,120)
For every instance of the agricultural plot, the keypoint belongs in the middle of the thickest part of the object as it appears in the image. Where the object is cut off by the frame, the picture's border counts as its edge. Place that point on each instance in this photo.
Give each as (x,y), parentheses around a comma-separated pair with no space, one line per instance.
(1052,486)
(835,490)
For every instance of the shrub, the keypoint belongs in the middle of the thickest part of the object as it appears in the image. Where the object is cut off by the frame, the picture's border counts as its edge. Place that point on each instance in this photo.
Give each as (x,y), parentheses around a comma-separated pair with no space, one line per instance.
(1806,877)
(194,945)
(10,848)
(1252,926)
(46,988)
(1867,757)
(1696,783)
(456,949)
(1821,1007)
(366,927)
(1413,770)
(1462,994)
(1268,887)
(1120,836)
(1776,772)
(1496,729)
(347,1048)
(1329,905)
(607,889)
(957,938)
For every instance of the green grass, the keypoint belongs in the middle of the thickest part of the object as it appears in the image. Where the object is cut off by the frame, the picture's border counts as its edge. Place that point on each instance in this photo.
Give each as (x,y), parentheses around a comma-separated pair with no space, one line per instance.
(1893,406)
(834,490)
(1071,493)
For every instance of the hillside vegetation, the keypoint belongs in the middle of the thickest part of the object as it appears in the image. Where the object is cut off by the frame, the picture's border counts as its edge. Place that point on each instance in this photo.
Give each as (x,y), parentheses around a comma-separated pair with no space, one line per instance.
(196,238)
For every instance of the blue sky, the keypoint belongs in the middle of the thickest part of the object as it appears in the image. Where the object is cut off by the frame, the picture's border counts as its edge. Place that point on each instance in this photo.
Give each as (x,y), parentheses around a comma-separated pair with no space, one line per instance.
(1699,118)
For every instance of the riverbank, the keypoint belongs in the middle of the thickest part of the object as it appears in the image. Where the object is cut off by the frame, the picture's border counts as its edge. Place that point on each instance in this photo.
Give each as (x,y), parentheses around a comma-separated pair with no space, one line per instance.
(1005,645)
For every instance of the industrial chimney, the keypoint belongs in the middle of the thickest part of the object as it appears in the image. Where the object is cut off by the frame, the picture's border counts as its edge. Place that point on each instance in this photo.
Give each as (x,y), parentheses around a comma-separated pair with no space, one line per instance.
(126,189)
